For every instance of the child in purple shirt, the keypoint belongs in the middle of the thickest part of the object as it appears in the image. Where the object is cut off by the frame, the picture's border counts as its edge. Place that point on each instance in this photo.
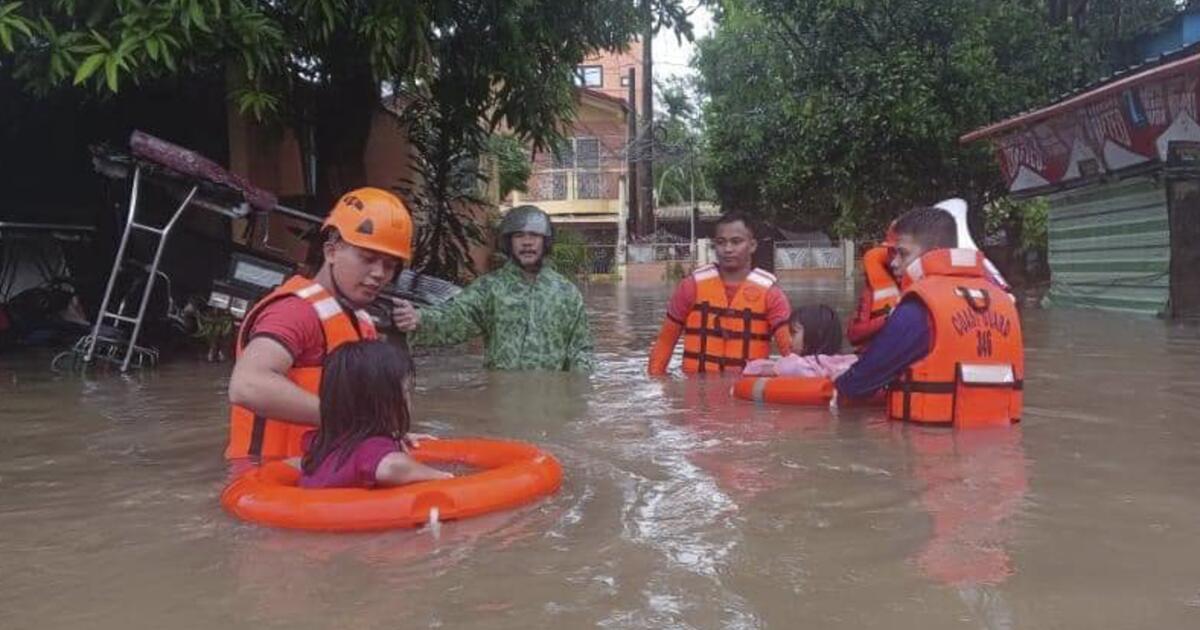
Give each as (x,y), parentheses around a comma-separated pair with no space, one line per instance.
(365,415)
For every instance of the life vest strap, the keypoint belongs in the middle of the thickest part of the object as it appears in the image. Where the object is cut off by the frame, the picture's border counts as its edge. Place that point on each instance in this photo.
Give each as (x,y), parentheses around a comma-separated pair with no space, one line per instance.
(746,332)
(948,387)
(722,333)
(723,362)
(257,434)
(706,308)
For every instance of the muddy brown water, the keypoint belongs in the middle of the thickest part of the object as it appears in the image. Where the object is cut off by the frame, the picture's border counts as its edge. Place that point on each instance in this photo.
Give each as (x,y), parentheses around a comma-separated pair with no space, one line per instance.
(681,508)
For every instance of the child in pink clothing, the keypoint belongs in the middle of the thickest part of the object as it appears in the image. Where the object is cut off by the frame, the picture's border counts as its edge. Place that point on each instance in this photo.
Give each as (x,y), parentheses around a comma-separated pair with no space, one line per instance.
(816,347)
(365,414)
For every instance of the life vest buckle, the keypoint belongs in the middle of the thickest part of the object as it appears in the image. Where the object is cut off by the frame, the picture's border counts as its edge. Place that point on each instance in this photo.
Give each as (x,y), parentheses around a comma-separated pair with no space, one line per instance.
(979,300)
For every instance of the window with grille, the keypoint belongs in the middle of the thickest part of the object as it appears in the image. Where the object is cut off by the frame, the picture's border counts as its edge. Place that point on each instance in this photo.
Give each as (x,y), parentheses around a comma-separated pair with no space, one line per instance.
(587,153)
(565,157)
(587,164)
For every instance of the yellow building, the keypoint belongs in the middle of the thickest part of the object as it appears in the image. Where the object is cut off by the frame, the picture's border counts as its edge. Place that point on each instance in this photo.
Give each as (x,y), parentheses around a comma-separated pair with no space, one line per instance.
(584,185)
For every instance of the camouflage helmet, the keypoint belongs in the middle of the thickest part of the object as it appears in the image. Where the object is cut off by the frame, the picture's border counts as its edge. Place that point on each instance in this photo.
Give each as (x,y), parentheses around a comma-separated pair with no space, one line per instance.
(531,219)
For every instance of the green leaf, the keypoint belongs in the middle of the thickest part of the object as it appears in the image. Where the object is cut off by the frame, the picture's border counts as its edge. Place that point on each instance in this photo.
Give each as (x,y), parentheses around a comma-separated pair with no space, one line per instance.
(126,45)
(103,41)
(88,67)
(168,59)
(197,14)
(21,25)
(152,48)
(110,73)
(6,37)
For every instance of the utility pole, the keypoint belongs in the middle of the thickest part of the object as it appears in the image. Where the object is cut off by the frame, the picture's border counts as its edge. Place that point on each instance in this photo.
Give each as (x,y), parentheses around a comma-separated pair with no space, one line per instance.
(631,158)
(646,137)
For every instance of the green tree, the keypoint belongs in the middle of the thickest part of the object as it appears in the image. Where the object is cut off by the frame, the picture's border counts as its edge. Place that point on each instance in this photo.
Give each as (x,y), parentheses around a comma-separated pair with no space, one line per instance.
(513,166)
(1106,29)
(841,113)
(321,65)
(679,147)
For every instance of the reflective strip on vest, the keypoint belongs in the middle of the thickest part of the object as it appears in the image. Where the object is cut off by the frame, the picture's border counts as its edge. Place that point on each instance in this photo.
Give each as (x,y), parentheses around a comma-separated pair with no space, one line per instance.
(762,278)
(963,257)
(915,270)
(706,272)
(987,374)
(308,291)
(888,292)
(327,308)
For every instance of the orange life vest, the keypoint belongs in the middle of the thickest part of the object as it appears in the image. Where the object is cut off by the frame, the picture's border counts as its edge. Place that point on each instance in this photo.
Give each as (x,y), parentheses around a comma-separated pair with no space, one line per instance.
(885,294)
(881,294)
(720,334)
(253,435)
(973,375)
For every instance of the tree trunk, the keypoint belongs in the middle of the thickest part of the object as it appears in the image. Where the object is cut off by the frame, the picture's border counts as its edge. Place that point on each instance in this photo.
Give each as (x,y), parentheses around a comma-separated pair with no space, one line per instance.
(646,165)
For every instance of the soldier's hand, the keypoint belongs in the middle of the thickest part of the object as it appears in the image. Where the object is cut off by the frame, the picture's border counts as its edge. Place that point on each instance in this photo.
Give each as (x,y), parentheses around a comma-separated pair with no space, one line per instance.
(405,317)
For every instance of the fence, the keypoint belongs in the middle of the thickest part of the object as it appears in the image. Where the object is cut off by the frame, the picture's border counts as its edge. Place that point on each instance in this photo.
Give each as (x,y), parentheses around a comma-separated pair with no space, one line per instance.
(808,255)
(660,252)
(789,255)
(600,259)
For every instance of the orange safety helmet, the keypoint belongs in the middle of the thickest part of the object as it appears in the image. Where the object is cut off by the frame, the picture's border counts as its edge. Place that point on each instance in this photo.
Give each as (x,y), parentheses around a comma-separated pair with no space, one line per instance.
(374,219)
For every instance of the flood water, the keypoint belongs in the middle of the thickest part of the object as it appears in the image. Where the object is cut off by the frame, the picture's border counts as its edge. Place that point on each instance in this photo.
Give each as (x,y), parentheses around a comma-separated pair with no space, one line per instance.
(680,508)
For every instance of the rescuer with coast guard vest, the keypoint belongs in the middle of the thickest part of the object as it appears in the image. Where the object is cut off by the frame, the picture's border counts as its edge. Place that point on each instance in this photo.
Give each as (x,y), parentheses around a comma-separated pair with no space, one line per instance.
(951,352)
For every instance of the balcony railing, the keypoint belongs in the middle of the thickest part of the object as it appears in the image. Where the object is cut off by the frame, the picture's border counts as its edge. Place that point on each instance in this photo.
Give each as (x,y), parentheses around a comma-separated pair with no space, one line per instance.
(571,184)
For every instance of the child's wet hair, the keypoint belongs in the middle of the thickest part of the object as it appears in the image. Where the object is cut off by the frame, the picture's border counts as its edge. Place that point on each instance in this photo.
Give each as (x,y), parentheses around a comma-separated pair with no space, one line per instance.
(362,395)
(822,329)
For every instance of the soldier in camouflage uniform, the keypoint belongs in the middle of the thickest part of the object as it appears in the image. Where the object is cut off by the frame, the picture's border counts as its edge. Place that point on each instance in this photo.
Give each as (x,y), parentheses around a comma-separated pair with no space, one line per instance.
(530,316)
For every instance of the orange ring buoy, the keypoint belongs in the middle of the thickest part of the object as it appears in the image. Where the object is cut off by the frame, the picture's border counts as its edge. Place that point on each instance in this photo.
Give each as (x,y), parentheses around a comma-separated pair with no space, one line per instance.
(811,391)
(513,473)
(788,390)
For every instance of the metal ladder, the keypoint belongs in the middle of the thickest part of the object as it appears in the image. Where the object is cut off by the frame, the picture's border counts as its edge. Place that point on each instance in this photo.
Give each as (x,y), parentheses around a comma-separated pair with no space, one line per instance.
(111,348)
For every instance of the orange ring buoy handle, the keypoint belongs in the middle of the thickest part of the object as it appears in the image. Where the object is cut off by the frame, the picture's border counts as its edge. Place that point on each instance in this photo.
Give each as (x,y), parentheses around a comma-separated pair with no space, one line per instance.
(787,390)
(513,474)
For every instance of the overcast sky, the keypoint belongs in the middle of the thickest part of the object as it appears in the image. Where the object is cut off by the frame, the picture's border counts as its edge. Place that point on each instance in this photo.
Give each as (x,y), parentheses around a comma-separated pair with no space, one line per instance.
(670,57)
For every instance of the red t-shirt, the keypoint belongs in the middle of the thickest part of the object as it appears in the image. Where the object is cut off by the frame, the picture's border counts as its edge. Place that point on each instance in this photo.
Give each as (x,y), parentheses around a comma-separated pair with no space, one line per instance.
(779,310)
(293,323)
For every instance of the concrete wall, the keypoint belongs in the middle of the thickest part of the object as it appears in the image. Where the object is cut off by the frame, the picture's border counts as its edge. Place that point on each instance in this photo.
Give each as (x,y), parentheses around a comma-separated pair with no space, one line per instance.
(1110,247)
